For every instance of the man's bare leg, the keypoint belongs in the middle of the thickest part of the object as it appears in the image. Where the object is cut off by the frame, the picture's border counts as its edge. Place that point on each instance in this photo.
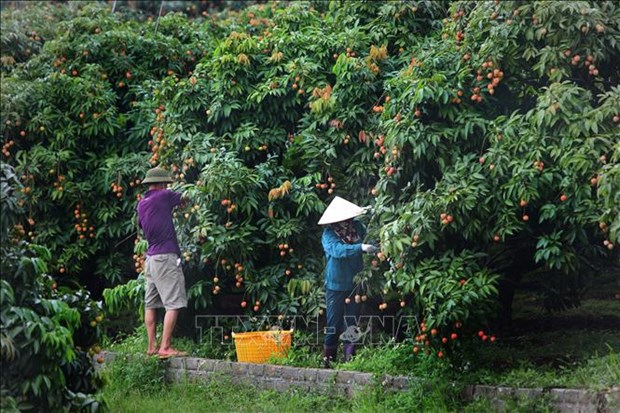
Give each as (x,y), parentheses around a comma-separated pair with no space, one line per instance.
(170,321)
(150,321)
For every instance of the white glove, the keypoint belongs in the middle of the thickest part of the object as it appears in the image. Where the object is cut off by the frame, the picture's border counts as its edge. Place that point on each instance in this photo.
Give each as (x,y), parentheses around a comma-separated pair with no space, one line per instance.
(368,248)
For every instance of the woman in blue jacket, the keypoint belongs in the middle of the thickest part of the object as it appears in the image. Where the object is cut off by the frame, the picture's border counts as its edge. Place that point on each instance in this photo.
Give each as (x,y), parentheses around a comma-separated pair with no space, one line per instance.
(343,245)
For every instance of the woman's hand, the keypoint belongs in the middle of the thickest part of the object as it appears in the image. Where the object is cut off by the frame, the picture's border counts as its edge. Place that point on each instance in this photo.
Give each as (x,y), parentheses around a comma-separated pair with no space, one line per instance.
(369,249)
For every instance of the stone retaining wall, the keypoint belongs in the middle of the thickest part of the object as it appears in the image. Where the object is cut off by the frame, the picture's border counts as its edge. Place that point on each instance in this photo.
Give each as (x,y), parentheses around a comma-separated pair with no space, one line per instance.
(348,383)
(564,400)
(281,378)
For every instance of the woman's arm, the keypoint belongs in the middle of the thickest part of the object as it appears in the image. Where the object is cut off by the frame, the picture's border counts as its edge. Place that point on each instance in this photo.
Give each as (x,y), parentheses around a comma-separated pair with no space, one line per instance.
(334,246)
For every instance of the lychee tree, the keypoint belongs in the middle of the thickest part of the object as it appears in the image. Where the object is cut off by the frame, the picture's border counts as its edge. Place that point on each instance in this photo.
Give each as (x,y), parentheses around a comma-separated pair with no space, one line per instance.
(504,138)
(48,334)
(73,124)
(483,135)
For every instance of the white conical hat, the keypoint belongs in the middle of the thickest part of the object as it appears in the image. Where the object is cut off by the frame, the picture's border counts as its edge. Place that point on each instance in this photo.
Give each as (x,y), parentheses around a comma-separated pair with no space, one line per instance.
(340,210)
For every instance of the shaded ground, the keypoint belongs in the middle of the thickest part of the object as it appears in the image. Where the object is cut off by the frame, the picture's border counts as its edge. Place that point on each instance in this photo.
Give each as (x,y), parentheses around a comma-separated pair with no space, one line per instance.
(558,338)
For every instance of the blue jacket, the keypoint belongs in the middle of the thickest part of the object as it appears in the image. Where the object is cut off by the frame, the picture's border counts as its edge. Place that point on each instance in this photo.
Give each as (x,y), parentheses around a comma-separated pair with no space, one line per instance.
(343,260)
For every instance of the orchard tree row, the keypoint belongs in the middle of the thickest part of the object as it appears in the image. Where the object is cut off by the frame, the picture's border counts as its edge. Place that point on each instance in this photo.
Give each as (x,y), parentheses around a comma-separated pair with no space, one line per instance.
(483,134)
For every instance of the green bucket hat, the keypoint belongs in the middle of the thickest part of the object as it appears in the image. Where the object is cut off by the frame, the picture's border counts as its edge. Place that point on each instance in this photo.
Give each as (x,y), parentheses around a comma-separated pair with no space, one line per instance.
(157,175)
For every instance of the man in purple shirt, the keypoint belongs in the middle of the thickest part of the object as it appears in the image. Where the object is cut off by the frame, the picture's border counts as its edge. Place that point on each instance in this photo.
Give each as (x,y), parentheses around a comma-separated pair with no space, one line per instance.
(165,283)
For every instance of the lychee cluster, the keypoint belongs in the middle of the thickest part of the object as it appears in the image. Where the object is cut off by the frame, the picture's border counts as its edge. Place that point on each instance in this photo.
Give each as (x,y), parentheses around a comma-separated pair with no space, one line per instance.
(81,223)
(6,148)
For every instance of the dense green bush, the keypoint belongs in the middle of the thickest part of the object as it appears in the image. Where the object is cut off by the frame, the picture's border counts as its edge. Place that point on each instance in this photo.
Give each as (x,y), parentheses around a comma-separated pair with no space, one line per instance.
(47,334)
(504,156)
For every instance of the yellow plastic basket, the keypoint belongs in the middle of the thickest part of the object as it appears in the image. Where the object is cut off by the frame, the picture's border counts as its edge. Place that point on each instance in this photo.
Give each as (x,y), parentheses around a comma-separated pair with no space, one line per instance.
(260,346)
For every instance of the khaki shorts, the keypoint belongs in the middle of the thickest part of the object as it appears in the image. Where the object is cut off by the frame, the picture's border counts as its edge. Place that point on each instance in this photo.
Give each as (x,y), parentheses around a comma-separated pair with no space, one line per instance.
(165,283)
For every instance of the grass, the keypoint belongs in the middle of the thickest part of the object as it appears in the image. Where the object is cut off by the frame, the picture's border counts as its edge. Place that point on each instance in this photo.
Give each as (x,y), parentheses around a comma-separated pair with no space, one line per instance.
(596,373)
(137,342)
(215,396)
(134,385)
(578,348)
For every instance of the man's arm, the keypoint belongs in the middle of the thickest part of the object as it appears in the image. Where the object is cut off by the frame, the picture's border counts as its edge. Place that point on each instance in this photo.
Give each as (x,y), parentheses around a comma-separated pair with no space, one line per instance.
(177,199)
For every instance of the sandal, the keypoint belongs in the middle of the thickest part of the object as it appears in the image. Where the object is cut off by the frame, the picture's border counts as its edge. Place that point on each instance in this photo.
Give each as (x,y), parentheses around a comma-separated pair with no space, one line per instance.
(174,353)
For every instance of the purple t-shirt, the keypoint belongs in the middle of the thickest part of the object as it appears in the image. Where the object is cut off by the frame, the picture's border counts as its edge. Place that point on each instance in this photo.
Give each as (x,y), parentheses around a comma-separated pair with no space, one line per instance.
(155,219)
